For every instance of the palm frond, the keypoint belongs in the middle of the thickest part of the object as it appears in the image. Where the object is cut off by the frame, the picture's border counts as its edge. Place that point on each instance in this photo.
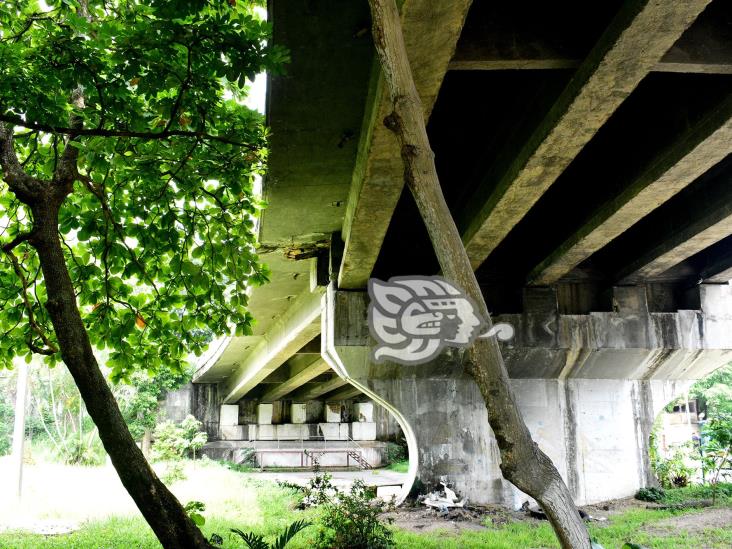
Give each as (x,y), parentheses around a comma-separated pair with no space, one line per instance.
(289,533)
(253,541)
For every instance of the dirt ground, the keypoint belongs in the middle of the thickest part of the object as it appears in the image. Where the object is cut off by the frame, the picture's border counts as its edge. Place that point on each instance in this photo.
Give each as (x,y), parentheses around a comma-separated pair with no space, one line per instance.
(692,523)
(420,518)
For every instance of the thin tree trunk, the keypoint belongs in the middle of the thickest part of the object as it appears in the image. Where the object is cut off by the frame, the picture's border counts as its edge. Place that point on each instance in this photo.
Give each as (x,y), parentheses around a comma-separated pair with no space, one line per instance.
(158,505)
(522,462)
(146,443)
(21,399)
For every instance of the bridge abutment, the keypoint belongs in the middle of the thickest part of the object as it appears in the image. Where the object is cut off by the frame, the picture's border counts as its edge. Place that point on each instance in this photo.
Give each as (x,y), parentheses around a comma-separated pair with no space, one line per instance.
(589,387)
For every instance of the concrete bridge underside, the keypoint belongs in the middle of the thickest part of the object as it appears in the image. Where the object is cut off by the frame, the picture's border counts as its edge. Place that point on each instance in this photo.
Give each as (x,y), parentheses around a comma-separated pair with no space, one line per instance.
(584,151)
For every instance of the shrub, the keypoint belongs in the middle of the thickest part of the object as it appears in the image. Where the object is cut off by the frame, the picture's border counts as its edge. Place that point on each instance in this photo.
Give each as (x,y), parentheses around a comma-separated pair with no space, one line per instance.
(174,472)
(352,520)
(673,472)
(652,494)
(395,452)
(6,426)
(256,541)
(174,442)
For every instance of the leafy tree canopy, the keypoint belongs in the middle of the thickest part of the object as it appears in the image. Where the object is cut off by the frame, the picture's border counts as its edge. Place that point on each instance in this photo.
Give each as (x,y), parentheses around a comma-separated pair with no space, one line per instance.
(144,99)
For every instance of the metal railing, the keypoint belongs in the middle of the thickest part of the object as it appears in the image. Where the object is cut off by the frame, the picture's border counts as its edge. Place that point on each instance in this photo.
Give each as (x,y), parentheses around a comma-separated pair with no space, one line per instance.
(351,446)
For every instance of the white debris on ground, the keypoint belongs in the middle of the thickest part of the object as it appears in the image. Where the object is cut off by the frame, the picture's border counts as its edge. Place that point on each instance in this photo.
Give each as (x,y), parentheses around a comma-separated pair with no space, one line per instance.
(43,527)
(444,501)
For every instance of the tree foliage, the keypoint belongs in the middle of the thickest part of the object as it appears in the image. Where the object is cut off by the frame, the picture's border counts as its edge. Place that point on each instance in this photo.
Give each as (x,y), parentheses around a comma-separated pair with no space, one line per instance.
(139,400)
(144,101)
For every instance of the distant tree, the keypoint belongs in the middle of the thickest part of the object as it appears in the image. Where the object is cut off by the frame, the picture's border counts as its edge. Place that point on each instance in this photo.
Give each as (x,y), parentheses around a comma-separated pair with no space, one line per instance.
(139,398)
(7,415)
(126,211)
(715,392)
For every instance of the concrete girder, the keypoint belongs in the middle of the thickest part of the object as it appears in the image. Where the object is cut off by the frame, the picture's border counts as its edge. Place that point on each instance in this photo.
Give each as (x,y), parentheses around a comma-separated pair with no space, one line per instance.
(344,394)
(699,149)
(706,48)
(298,325)
(431,30)
(710,220)
(318,366)
(719,272)
(638,37)
(320,389)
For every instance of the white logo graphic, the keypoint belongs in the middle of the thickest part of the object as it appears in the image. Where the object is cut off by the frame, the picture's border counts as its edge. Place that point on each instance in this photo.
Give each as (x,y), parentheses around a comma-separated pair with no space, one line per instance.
(414,318)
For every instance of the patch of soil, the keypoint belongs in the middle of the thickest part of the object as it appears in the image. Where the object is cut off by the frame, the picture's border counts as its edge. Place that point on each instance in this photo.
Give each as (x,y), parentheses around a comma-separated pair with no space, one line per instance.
(473,518)
(693,522)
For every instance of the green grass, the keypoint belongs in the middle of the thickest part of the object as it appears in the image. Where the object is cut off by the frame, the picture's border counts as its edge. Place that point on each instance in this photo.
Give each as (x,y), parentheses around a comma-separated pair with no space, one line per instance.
(723,492)
(267,508)
(276,511)
(399,466)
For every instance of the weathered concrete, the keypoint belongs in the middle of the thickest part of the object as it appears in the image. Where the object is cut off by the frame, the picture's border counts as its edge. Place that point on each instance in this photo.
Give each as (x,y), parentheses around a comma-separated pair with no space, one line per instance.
(706,47)
(692,155)
(635,41)
(431,30)
(199,400)
(320,389)
(291,452)
(710,222)
(589,387)
(313,370)
(292,330)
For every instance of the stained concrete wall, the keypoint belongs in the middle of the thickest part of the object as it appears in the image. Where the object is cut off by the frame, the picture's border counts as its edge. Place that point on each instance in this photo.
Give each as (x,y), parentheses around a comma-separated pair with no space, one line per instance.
(589,387)
(200,400)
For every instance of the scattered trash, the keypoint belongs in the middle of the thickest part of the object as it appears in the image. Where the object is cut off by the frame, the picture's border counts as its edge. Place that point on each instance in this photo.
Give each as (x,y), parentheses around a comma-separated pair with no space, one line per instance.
(444,501)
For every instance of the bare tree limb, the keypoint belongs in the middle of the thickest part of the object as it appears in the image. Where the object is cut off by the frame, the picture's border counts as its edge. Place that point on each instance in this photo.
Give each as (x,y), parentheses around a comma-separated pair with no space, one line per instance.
(24,186)
(522,462)
(100,132)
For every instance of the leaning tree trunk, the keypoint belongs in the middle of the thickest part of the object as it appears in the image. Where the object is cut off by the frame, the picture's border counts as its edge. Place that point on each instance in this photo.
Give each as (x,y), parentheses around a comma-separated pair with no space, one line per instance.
(158,505)
(522,462)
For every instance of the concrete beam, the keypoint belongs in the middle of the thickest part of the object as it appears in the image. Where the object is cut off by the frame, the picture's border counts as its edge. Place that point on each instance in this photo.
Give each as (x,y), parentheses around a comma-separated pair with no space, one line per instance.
(344,394)
(706,48)
(319,366)
(431,30)
(320,389)
(709,214)
(719,272)
(298,325)
(700,148)
(630,48)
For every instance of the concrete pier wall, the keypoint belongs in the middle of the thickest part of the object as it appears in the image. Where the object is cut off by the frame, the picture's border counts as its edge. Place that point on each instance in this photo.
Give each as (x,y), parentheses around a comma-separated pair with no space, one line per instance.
(589,387)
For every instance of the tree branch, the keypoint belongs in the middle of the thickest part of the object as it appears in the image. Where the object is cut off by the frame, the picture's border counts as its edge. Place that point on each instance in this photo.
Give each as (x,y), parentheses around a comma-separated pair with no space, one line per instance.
(50,348)
(23,237)
(99,132)
(24,186)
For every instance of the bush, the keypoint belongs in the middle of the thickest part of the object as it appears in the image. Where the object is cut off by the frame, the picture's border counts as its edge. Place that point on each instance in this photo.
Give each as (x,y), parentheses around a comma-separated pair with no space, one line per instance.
(7,414)
(174,472)
(652,494)
(352,520)
(673,472)
(256,541)
(395,452)
(174,442)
